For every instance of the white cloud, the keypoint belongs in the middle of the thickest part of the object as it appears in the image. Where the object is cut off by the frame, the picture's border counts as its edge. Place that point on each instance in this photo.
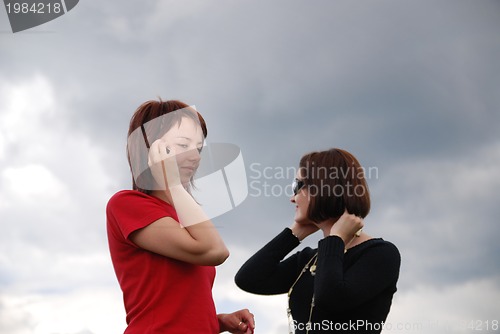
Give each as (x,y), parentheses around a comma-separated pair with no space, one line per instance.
(86,311)
(33,266)
(52,176)
(22,105)
(33,185)
(452,309)
(432,209)
(54,265)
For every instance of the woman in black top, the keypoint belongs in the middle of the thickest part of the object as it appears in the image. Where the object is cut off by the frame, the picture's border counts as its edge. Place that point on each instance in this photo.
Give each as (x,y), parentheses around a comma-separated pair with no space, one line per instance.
(346,284)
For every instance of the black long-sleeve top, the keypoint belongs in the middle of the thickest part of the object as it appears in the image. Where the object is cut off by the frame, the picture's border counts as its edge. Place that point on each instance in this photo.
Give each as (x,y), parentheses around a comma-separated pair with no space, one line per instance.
(353,291)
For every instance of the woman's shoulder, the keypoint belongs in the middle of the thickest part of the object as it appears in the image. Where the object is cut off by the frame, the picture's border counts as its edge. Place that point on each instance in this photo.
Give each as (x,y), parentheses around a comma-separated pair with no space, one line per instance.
(125,195)
(386,250)
(136,205)
(305,254)
(381,241)
(129,198)
(379,244)
(389,245)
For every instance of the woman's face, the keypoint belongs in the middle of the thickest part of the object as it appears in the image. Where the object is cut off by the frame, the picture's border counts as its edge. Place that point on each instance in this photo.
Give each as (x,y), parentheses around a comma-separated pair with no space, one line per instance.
(186,140)
(301,201)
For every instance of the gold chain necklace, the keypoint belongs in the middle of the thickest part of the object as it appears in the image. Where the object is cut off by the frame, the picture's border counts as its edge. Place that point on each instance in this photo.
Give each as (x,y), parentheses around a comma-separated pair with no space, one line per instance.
(312,270)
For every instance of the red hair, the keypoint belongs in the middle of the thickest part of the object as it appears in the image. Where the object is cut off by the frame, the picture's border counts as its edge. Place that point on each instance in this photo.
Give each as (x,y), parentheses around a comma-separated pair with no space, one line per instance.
(149,111)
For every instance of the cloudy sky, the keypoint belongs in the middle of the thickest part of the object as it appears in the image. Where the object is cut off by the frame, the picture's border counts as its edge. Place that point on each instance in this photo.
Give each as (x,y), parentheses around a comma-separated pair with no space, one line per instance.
(410,87)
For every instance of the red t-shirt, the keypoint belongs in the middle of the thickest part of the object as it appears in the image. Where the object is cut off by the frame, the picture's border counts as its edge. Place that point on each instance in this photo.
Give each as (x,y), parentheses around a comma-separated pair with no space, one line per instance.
(161,295)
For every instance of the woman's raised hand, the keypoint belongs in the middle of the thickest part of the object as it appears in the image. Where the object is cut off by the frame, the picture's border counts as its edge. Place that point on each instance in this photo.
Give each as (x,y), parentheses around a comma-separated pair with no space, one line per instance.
(347,227)
(303,229)
(163,165)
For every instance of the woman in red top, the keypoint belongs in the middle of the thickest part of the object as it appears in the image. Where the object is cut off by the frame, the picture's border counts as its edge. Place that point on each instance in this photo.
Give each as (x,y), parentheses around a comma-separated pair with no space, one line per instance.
(163,246)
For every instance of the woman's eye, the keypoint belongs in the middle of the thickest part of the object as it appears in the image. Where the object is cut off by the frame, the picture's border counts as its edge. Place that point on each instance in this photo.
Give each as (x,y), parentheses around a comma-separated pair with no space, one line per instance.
(200,149)
(183,146)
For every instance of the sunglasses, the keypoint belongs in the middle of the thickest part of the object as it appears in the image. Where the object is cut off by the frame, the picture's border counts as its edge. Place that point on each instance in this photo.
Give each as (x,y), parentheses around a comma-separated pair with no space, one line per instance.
(297,185)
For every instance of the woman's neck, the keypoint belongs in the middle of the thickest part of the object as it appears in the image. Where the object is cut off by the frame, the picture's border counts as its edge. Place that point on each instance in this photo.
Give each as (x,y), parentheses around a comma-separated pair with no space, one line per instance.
(326,227)
(161,194)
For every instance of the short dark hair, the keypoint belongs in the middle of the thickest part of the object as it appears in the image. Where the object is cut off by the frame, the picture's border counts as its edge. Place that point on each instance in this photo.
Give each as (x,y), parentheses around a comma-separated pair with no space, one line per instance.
(336,182)
(146,112)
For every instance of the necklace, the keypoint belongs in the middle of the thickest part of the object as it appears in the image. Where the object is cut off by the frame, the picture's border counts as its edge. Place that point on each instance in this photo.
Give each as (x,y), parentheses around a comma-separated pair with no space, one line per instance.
(312,269)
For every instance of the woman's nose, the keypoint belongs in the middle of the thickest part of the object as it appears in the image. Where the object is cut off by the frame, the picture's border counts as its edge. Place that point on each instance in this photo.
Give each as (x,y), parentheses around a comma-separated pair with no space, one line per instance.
(194,155)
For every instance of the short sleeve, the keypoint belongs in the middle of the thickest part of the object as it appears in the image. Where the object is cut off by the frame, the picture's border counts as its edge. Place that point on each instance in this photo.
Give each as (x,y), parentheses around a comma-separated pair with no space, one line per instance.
(130,211)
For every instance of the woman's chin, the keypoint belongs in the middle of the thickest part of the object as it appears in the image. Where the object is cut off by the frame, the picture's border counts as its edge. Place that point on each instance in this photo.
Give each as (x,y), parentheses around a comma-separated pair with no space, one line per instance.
(185,179)
(302,221)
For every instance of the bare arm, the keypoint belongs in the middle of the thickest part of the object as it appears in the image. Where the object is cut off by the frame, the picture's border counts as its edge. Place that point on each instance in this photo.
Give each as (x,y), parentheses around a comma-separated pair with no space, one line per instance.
(195,240)
(198,244)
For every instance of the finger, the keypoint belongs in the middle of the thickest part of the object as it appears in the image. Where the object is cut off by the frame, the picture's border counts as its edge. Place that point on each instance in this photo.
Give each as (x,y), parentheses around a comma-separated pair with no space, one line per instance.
(248,317)
(242,327)
(162,150)
(249,321)
(153,156)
